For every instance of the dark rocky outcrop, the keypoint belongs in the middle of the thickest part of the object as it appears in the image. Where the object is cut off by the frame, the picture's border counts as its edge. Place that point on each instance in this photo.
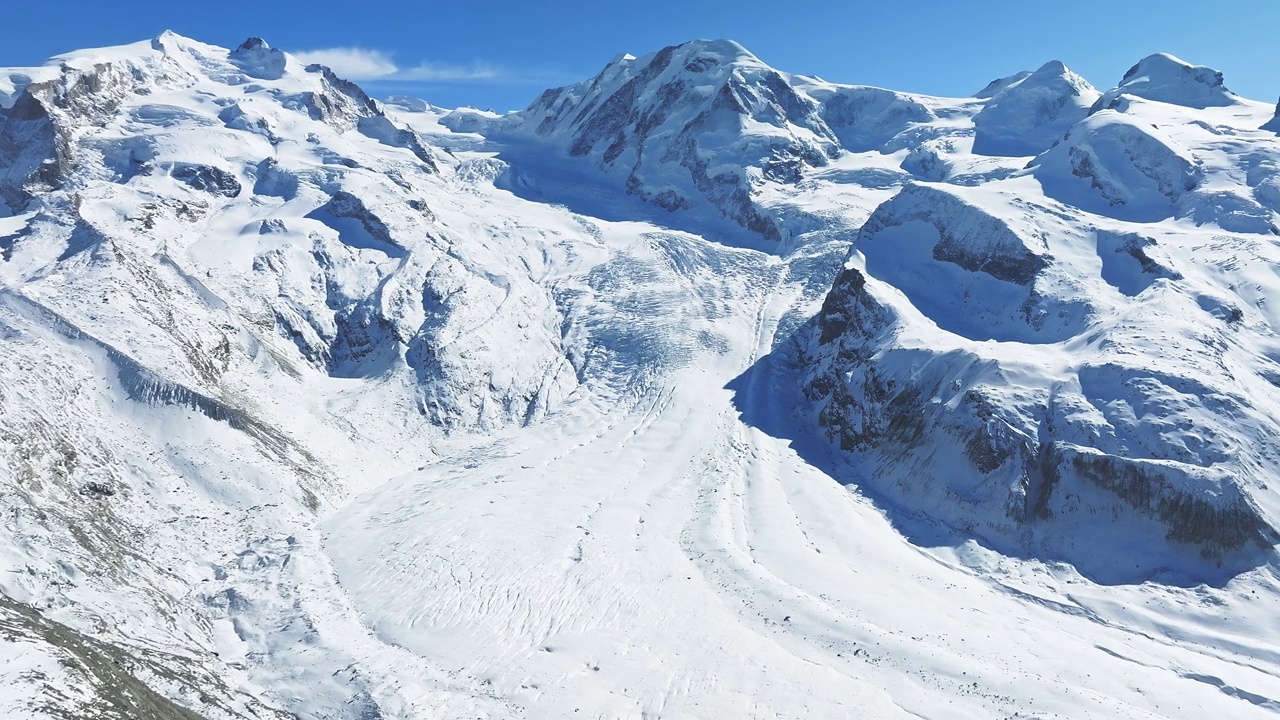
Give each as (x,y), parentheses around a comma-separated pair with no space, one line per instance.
(205,178)
(259,60)
(1273,124)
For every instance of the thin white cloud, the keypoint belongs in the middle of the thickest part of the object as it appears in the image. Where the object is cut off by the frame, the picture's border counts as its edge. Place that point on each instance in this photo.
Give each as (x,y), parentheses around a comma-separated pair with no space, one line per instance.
(351,62)
(356,63)
(376,66)
(444,72)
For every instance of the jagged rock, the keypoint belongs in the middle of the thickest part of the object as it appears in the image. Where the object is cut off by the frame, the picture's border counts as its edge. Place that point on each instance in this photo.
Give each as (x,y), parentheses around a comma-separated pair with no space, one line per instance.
(939,432)
(367,231)
(1273,125)
(205,178)
(259,60)
(380,128)
(97,490)
(36,147)
(340,103)
(237,117)
(1127,262)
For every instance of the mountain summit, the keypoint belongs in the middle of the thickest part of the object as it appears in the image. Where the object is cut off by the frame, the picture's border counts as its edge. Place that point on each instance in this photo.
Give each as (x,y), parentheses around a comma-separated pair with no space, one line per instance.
(1164,78)
(1029,114)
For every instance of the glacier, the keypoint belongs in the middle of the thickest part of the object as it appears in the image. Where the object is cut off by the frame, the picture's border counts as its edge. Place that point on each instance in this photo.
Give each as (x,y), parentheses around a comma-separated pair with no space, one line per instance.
(695,389)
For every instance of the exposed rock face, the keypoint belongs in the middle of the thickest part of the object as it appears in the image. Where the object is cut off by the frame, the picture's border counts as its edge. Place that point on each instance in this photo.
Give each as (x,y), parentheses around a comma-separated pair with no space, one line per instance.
(1274,124)
(1024,463)
(381,128)
(38,147)
(942,433)
(29,151)
(1131,262)
(1026,116)
(672,125)
(339,103)
(257,59)
(207,179)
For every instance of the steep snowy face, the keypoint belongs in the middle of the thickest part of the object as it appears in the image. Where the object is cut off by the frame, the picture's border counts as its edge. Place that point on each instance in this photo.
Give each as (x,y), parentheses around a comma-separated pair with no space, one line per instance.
(1076,341)
(705,124)
(259,60)
(42,132)
(1037,379)
(994,87)
(1165,78)
(1113,163)
(231,290)
(691,124)
(174,144)
(1026,115)
(866,118)
(981,275)
(46,107)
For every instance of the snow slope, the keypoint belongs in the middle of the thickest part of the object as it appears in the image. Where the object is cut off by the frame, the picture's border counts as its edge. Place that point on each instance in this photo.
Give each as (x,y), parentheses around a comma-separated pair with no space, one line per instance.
(697,389)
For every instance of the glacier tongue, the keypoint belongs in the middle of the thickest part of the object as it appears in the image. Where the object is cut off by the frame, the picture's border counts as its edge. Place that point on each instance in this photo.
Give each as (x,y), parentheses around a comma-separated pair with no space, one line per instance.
(696,389)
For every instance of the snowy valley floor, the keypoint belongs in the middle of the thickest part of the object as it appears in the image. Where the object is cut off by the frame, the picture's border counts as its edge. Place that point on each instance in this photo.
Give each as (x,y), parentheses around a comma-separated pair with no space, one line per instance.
(645,552)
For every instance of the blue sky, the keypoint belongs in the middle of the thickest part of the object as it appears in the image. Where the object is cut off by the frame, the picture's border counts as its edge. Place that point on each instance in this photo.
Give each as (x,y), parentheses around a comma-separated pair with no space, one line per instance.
(500,54)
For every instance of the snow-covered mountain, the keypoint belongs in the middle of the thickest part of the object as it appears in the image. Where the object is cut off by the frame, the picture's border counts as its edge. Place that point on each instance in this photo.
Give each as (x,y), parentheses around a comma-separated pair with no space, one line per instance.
(696,389)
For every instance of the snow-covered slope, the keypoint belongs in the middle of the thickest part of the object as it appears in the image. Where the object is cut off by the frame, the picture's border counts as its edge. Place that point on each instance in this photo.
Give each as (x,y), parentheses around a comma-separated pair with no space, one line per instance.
(700,126)
(1167,79)
(696,389)
(1027,115)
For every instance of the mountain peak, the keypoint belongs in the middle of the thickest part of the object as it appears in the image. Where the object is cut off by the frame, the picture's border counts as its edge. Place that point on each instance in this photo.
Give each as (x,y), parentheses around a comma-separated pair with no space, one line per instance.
(1052,68)
(1026,115)
(168,43)
(254,43)
(1161,63)
(259,60)
(730,50)
(1165,78)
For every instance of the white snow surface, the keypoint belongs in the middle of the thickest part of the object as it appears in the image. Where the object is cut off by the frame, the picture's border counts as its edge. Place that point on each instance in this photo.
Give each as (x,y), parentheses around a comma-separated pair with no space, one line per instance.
(689,392)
